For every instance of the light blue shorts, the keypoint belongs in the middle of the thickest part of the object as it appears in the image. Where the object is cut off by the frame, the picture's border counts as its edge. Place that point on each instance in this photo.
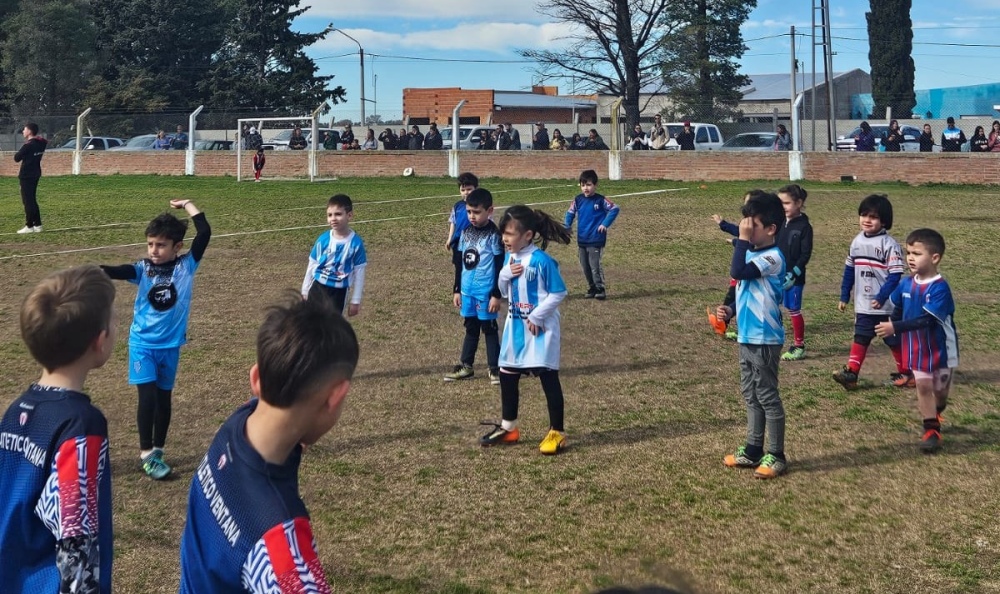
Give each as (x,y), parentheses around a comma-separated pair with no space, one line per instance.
(477,308)
(153,365)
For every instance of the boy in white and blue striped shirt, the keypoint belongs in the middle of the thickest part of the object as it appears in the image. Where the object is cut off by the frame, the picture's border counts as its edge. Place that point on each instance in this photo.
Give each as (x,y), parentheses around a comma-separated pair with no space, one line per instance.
(338,260)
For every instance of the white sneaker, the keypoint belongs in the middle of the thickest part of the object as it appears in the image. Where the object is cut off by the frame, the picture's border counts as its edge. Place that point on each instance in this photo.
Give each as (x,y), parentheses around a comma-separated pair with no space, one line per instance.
(25,229)
(37,229)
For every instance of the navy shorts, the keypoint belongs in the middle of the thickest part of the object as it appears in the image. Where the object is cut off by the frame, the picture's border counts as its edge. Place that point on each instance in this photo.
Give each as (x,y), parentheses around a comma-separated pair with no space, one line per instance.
(864,325)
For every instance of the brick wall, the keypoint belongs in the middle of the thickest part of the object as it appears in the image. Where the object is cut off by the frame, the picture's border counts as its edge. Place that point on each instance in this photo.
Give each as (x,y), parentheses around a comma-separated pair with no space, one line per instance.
(438,104)
(912,168)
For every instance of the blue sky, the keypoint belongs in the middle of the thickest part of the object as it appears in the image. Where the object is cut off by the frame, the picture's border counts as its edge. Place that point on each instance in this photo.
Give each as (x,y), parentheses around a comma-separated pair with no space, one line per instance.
(472,43)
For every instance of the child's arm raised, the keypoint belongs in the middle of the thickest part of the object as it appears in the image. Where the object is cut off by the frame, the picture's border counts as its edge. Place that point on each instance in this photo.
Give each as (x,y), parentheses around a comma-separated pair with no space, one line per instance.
(203,229)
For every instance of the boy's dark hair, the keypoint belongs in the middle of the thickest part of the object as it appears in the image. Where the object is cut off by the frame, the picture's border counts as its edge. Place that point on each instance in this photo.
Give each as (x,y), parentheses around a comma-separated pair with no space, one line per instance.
(527,219)
(167,225)
(301,345)
(588,175)
(64,313)
(797,192)
(755,193)
(879,205)
(468,179)
(767,207)
(341,200)
(932,240)
(480,198)
(33,127)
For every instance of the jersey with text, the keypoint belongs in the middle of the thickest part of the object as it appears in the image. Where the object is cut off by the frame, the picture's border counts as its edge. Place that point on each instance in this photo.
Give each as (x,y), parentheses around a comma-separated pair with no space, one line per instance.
(934,347)
(163,302)
(873,258)
(758,300)
(55,516)
(333,260)
(533,296)
(479,247)
(247,528)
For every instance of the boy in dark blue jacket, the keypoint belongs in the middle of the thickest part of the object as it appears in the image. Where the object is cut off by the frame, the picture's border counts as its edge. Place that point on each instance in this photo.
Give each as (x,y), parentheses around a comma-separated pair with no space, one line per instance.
(596,213)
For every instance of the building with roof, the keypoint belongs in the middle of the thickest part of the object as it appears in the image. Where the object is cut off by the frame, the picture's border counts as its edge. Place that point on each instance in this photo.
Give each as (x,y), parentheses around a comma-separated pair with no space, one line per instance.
(488,106)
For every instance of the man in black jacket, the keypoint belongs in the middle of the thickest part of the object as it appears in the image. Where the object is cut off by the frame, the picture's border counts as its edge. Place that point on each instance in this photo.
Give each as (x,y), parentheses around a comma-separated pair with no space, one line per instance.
(30,158)
(540,141)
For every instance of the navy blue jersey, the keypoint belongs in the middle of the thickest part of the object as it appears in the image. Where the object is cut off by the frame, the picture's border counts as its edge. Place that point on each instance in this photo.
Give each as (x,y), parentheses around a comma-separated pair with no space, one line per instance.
(935,347)
(55,516)
(247,528)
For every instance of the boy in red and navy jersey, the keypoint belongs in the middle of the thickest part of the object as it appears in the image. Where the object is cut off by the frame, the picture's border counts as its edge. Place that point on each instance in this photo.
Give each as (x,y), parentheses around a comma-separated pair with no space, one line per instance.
(247,527)
(55,515)
(924,318)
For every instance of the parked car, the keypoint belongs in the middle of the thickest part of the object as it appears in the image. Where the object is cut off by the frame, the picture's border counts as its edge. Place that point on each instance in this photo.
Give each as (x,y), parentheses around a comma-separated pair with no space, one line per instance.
(279,141)
(468,136)
(911,138)
(706,136)
(213,145)
(92,143)
(143,142)
(750,141)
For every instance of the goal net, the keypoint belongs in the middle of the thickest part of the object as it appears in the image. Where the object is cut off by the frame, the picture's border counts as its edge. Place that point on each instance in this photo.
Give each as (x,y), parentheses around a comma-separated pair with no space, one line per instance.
(276,134)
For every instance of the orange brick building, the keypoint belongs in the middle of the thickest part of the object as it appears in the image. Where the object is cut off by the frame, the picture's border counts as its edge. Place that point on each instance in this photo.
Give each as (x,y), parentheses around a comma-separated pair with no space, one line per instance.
(487,106)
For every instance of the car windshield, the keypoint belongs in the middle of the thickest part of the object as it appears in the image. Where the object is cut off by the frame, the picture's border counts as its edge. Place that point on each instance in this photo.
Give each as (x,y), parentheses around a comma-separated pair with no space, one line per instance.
(463,133)
(141,140)
(751,140)
(674,130)
(72,143)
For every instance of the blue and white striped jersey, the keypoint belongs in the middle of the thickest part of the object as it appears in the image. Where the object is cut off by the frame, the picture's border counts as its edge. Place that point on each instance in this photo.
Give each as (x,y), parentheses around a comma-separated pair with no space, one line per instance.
(758,300)
(533,296)
(336,262)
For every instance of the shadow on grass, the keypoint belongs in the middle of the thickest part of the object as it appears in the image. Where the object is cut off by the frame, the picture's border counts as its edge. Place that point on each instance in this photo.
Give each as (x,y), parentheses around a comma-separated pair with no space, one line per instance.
(978,376)
(959,441)
(636,434)
(440,370)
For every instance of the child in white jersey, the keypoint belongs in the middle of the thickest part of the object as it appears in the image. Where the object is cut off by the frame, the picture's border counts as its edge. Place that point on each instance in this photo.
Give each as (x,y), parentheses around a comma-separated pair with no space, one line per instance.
(531,283)
(338,259)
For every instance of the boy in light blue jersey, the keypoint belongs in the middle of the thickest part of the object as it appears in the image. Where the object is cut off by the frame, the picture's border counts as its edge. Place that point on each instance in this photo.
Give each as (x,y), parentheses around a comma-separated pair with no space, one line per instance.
(759,269)
(534,288)
(477,294)
(338,259)
(458,221)
(595,214)
(159,324)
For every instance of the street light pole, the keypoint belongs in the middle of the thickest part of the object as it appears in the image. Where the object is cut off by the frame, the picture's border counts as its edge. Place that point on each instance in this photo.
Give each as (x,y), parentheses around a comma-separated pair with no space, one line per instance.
(361,52)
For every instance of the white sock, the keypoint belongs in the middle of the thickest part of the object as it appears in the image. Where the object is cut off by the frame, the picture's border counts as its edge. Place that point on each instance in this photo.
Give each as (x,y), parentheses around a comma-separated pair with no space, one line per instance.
(508,425)
(143,454)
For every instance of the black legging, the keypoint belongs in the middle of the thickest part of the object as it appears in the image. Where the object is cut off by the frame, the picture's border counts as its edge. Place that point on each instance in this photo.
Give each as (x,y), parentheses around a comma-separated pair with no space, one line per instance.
(32,216)
(510,395)
(153,416)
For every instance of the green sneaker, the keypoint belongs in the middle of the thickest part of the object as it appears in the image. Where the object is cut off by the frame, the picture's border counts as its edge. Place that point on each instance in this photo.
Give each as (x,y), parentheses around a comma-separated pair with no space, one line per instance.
(740,459)
(796,353)
(154,466)
(730,335)
(770,467)
(461,372)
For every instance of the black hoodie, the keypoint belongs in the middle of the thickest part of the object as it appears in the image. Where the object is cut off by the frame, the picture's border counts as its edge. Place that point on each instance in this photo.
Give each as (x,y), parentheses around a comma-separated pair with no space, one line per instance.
(30,158)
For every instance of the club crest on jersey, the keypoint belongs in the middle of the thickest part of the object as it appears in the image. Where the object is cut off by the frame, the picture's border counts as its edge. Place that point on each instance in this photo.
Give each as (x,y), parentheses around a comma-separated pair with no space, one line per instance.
(470,258)
(222,462)
(23,418)
(162,296)
(530,273)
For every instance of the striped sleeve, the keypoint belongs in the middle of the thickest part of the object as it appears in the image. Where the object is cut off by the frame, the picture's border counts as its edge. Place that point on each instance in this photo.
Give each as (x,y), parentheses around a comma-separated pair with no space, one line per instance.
(284,561)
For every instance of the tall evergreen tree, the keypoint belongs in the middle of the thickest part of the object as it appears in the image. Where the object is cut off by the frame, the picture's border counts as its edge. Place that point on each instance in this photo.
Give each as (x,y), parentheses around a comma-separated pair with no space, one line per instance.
(261,64)
(48,56)
(890,45)
(700,57)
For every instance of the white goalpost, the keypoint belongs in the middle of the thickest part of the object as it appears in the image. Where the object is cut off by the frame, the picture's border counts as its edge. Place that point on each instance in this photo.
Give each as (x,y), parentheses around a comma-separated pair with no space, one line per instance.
(275,133)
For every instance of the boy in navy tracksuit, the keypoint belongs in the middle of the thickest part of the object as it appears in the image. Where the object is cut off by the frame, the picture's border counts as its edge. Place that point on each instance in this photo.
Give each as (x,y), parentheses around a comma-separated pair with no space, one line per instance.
(596,213)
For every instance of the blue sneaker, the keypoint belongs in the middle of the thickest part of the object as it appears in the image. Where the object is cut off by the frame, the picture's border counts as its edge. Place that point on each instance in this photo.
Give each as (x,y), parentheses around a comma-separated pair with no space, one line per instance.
(154,466)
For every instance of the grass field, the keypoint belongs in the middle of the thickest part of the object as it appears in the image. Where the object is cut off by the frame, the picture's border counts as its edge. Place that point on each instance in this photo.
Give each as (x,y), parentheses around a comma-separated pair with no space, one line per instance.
(404,500)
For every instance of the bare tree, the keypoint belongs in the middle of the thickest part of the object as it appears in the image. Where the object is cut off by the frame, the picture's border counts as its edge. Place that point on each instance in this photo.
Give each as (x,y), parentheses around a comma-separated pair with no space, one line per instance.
(615,47)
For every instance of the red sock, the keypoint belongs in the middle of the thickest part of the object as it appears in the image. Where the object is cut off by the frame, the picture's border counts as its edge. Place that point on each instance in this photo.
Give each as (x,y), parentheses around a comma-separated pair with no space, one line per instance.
(897,354)
(857,357)
(798,328)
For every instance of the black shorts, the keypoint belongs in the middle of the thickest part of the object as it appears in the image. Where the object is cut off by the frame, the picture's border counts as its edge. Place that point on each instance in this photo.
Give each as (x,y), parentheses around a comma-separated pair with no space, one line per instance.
(864,325)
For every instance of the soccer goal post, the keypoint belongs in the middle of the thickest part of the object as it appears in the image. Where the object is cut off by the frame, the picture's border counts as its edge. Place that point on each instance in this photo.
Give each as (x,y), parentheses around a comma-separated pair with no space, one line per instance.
(274,134)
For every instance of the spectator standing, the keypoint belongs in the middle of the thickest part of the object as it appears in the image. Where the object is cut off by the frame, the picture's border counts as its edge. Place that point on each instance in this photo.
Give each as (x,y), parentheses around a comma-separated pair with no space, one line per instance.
(253,140)
(433,141)
(540,140)
(30,157)
(865,140)
(558,141)
(783,140)
(657,134)
(297,142)
(515,136)
(685,138)
(161,142)
(994,139)
(347,136)
(180,141)
(952,138)
(893,137)
(594,142)
(487,140)
(388,139)
(403,140)
(926,140)
(979,143)
(577,142)
(638,141)
(415,140)
(370,144)
(502,140)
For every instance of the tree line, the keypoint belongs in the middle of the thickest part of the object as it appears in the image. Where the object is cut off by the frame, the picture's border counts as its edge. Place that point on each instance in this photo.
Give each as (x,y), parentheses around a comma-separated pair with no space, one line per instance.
(128,56)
